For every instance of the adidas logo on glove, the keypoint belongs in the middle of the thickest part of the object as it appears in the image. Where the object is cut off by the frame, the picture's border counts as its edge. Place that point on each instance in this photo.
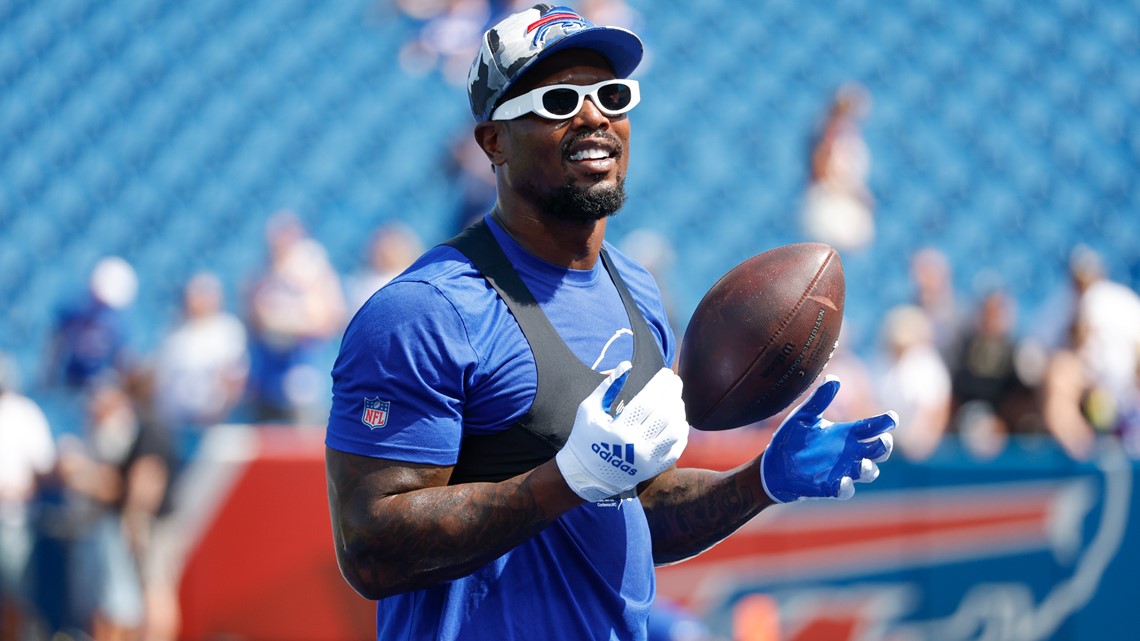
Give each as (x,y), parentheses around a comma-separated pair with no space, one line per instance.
(612,454)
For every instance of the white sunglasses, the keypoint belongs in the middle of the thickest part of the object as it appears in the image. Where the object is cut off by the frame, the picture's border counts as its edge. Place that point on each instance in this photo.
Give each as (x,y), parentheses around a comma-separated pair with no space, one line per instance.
(562,102)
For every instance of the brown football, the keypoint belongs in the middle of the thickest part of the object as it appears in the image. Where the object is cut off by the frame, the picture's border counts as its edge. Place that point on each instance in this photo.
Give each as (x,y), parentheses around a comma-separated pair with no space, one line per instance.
(760,337)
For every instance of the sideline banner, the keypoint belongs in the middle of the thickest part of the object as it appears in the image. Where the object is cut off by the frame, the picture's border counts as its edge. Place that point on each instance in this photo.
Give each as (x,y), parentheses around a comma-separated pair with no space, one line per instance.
(1027,546)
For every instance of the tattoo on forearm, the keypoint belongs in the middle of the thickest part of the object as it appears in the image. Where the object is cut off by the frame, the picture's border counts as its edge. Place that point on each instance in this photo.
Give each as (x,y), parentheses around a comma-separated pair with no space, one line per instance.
(402,540)
(692,510)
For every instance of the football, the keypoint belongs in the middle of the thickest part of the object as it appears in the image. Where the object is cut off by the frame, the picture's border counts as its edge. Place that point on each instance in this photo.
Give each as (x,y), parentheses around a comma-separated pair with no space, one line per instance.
(761,335)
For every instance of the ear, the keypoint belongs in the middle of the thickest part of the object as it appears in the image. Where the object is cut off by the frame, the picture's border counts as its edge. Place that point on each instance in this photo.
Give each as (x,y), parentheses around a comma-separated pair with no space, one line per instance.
(491,138)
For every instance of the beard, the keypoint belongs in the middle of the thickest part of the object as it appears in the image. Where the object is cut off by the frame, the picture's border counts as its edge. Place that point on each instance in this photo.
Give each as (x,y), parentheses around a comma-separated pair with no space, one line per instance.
(577,204)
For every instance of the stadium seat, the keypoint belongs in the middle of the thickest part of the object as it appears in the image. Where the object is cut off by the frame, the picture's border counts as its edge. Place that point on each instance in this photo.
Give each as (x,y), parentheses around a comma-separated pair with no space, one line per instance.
(170,131)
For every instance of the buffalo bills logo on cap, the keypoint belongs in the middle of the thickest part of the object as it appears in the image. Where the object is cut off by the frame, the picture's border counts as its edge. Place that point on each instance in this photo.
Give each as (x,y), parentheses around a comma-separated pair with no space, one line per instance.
(562,20)
(520,40)
(375,412)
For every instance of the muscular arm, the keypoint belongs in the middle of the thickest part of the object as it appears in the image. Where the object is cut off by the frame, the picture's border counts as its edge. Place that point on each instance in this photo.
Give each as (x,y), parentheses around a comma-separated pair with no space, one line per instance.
(398,526)
(691,510)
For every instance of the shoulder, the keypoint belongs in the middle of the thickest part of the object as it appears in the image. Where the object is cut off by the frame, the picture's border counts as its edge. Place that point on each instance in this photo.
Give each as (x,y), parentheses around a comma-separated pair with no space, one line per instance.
(441,300)
(441,284)
(442,270)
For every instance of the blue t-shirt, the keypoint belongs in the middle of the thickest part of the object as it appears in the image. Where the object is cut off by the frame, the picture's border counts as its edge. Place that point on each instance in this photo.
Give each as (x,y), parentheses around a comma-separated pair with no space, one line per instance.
(435,355)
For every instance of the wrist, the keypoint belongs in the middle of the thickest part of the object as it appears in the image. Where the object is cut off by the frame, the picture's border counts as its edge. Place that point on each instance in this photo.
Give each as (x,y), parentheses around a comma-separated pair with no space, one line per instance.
(552,490)
(576,477)
(767,483)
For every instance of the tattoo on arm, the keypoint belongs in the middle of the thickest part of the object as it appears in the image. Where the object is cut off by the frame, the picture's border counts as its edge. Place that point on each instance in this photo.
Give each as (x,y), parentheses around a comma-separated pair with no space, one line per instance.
(399,527)
(691,510)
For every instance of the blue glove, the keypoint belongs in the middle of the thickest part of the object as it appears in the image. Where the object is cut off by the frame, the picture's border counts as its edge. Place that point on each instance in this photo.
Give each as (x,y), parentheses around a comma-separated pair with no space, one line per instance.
(812,458)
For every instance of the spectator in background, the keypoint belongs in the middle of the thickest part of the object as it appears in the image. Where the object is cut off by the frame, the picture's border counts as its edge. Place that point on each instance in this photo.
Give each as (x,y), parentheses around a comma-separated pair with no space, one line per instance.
(1089,382)
(934,293)
(117,480)
(1109,315)
(990,400)
(392,249)
(1069,400)
(915,380)
(90,336)
(27,456)
(1090,385)
(296,311)
(199,371)
(839,207)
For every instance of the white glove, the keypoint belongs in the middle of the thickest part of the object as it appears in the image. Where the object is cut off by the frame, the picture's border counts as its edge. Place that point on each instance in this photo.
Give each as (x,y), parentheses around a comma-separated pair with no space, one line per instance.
(605,456)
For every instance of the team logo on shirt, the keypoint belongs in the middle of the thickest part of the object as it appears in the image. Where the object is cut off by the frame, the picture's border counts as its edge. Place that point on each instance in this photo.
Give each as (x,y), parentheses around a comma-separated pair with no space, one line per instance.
(375,412)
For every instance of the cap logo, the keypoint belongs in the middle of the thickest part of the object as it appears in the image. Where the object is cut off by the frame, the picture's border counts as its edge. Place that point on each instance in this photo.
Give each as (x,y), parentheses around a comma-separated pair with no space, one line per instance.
(562,17)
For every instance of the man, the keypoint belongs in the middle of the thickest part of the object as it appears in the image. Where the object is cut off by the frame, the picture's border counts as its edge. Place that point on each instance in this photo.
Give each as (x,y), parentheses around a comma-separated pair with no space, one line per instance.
(504,426)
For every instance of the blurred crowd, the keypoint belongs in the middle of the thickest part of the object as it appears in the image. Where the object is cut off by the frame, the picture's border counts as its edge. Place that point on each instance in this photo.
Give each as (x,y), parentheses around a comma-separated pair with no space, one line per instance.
(85,539)
(82,510)
(956,365)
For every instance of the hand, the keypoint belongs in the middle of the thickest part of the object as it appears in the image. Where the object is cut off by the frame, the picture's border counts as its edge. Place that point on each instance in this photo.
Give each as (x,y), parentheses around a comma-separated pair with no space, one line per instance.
(812,458)
(606,455)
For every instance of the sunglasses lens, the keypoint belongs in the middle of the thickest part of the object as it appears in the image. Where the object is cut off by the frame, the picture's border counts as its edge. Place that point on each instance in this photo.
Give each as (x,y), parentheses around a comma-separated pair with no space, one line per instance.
(560,102)
(614,96)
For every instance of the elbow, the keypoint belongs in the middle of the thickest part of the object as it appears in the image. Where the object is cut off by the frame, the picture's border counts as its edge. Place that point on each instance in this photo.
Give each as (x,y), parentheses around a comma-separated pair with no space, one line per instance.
(366,590)
(360,584)
(363,577)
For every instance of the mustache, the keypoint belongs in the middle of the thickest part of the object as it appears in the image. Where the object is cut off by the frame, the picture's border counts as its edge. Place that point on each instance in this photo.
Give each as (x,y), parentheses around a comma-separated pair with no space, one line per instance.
(619,149)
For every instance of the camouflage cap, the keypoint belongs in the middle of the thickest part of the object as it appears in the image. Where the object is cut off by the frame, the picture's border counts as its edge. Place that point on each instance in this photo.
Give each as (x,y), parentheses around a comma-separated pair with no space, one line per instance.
(520,40)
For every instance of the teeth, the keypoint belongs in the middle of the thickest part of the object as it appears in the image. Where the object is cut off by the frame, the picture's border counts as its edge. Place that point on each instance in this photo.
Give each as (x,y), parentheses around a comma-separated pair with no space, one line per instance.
(590,154)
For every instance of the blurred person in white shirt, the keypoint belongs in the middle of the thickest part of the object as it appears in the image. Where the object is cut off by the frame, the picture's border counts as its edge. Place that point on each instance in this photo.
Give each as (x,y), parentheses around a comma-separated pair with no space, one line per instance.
(27,454)
(201,366)
(1110,315)
(915,381)
(838,206)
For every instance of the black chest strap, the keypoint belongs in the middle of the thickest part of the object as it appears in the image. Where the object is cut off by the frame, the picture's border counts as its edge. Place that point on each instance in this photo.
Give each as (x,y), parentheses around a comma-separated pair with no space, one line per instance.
(563,379)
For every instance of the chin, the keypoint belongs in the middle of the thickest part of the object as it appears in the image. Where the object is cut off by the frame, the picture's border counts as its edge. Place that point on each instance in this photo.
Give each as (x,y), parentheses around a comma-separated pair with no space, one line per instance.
(585,203)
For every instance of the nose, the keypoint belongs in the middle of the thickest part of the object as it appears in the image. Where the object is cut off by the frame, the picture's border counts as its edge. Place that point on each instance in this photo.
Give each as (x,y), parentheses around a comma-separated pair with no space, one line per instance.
(589,116)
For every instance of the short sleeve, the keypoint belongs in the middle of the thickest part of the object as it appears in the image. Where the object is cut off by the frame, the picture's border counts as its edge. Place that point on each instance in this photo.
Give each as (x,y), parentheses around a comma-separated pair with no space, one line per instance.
(399,380)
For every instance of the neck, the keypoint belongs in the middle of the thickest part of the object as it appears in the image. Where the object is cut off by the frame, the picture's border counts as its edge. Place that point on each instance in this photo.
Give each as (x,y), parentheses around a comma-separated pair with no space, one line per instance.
(559,242)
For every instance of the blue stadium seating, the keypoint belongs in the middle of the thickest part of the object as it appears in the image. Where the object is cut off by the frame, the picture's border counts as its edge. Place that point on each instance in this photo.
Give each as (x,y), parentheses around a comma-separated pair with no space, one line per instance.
(168,132)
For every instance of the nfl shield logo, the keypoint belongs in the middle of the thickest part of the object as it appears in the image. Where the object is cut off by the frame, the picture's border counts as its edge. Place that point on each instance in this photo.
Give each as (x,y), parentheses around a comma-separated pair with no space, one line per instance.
(375,412)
